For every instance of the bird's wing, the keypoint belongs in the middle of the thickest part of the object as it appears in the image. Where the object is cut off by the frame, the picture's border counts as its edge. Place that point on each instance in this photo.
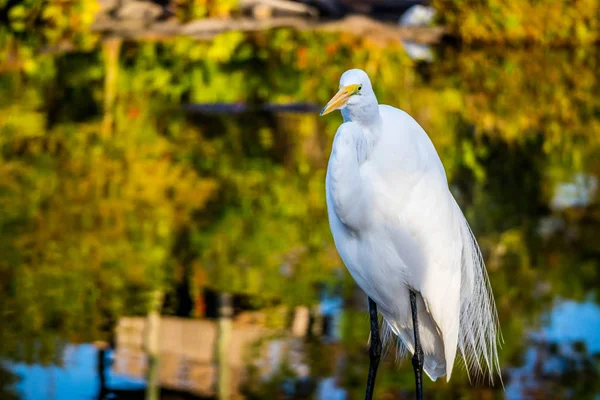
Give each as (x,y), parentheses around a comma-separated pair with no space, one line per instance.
(426,237)
(434,241)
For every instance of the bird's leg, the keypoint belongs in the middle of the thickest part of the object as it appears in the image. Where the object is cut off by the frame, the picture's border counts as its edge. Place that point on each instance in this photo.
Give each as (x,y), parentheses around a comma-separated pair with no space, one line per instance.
(374,350)
(417,359)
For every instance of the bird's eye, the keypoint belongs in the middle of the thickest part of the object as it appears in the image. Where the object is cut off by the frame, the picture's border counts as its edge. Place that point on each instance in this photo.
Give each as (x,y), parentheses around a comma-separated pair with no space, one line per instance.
(359,88)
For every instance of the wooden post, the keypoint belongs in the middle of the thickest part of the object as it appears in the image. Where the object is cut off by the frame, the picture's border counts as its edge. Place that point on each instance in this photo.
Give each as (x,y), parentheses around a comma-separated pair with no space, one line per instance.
(110,49)
(152,346)
(224,342)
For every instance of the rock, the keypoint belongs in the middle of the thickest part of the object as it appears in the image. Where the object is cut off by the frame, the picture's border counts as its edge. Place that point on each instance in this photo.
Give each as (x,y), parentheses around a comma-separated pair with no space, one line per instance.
(417,15)
(139,10)
(103,23)
(262,11)
(204,26)
(170,27)
(106,6)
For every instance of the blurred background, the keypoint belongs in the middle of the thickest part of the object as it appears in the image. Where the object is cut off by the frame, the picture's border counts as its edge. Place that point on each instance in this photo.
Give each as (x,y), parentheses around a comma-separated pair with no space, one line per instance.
(163,228)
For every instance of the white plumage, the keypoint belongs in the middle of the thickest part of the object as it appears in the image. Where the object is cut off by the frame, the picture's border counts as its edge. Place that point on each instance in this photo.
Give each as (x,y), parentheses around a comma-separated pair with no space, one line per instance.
(397,227)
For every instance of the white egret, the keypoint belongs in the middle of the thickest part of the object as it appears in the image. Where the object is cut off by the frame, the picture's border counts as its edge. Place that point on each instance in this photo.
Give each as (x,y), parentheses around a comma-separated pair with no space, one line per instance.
(405,240)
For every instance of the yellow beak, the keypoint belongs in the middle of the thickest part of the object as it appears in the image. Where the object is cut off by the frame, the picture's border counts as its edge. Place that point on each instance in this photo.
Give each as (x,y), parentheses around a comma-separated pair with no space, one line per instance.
(340,99)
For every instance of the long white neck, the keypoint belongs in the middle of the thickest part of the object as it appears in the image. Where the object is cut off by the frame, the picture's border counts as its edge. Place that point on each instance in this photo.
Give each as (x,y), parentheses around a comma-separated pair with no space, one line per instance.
(345,190)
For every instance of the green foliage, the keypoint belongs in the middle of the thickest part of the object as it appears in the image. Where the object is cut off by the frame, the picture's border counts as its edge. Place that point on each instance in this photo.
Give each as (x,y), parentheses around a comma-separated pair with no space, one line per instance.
(270,180)
(546,22)
(92,208)
(26,26)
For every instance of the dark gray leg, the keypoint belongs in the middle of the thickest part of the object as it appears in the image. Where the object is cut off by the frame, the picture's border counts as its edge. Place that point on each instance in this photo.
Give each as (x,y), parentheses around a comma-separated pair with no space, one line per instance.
(417,359)
(374,350)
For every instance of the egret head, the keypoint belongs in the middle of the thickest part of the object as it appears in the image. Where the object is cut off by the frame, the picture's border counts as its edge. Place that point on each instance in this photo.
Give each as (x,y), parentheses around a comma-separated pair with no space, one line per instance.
(355,92)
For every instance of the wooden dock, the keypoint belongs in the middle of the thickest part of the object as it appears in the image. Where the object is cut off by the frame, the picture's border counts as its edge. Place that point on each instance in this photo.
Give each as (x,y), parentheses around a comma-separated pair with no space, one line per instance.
(187,352)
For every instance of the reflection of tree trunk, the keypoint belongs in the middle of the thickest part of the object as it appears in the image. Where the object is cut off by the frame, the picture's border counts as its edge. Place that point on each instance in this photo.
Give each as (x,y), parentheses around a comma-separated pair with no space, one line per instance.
(224,341)
(152,345)
(110,49)
(101,369)
(153,388)
(317,326)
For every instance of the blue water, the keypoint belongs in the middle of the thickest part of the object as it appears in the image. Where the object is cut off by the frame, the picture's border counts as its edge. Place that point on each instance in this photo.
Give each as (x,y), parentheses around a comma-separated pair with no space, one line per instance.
(570,322)
(76,379)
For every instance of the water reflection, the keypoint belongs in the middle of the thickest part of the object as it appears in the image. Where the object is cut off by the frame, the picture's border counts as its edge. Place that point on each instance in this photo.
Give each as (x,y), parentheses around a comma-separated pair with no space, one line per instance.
(559,355)
(114,192)
(77,378)
(556,353)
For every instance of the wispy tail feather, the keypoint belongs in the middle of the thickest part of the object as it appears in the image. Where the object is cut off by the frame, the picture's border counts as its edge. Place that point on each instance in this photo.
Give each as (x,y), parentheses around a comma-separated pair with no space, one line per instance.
(479,326)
